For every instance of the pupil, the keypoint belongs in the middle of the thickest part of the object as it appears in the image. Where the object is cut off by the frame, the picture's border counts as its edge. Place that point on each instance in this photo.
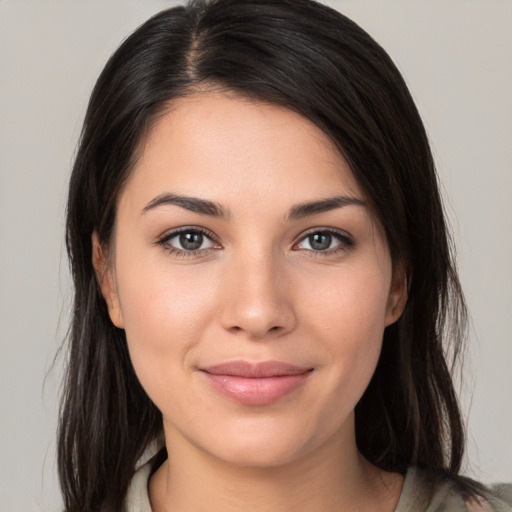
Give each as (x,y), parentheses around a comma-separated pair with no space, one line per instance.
(191,241)
(320,241)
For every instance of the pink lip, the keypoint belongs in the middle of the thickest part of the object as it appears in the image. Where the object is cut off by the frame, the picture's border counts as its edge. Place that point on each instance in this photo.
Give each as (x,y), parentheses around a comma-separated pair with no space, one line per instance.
(256,383)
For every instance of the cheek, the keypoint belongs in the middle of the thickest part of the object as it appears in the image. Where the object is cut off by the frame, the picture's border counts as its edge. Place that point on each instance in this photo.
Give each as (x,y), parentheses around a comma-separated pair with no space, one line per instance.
(352,303)
(165,310)
(349,316)
(156,295)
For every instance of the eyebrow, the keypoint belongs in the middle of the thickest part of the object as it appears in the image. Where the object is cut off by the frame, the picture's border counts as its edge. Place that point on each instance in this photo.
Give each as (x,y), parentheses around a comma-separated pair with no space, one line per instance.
(323,205)
(213,209)
(194,204)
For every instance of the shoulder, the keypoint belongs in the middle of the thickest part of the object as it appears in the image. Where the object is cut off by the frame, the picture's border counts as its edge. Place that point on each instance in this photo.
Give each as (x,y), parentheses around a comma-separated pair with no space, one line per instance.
(137,497)
(497,499)
(137,494)
(421,494)
(418,495)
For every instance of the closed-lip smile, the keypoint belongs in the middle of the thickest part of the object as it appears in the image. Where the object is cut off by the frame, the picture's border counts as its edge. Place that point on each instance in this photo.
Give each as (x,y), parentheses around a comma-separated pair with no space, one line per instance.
(255,383)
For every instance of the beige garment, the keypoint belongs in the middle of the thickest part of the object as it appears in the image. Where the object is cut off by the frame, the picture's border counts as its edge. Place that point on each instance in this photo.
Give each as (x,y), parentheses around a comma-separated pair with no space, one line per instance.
(417,496)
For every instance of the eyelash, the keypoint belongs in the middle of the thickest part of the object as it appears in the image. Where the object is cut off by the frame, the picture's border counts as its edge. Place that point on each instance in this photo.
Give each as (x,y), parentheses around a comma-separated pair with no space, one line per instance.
(345,242)
(164,242)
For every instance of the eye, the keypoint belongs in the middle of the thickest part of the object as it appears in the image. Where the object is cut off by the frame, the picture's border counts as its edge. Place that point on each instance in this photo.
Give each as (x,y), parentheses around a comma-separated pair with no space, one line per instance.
(327,241)
(187,241)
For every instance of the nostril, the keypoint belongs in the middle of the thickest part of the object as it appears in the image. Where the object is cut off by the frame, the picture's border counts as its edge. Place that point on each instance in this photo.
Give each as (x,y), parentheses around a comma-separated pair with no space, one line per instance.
(258,317)
(236,329)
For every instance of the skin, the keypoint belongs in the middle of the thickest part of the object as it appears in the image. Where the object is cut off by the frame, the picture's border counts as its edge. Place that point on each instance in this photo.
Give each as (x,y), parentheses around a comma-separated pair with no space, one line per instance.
(257,290)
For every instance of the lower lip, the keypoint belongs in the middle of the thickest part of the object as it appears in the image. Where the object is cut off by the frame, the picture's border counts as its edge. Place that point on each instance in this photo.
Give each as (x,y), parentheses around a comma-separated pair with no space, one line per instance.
(256,391)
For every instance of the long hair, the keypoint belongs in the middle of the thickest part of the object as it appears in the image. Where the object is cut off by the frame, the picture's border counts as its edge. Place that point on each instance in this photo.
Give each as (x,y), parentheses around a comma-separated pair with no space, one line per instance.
(309,58)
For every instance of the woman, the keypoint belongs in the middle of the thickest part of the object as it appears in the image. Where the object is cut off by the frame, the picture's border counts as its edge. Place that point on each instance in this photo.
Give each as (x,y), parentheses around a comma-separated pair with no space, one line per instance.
(264,285)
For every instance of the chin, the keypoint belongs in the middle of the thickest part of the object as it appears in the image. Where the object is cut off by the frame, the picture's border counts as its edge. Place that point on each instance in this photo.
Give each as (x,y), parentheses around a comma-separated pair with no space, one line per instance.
(263,444)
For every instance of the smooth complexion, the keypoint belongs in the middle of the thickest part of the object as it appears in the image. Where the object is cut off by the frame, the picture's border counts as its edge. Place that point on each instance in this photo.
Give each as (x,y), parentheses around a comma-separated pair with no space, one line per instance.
(242,240)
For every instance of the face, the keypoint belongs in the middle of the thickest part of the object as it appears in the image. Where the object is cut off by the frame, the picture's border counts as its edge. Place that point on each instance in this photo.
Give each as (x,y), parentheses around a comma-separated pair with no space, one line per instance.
(252,281)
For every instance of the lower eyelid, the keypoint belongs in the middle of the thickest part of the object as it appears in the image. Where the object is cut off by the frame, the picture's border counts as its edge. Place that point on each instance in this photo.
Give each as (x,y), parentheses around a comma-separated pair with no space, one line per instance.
(342,238)
(345,242)
(164,242)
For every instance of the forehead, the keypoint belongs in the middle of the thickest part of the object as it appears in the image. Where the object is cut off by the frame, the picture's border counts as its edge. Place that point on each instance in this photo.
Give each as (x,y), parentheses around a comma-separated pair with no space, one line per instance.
(225,145)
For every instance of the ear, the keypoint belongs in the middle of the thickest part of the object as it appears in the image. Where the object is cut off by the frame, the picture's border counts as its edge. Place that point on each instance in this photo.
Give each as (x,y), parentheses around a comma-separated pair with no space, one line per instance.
(106,280)
(398,294)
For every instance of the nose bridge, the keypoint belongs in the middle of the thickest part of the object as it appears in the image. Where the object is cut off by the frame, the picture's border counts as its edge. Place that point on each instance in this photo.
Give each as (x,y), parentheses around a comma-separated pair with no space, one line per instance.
(258,302)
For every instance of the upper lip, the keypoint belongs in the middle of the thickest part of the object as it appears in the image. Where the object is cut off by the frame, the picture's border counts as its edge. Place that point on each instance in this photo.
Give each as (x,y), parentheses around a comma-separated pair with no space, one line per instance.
(253,370)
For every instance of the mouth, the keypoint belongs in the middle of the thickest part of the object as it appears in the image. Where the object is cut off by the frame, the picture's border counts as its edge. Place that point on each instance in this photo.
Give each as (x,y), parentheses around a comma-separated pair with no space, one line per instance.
(259,384)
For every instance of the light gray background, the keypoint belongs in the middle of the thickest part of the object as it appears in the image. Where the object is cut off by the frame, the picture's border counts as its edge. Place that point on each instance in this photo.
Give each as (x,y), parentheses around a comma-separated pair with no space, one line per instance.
(457,58)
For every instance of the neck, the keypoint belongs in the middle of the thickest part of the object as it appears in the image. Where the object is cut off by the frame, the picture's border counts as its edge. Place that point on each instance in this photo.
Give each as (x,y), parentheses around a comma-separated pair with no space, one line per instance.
(332,477)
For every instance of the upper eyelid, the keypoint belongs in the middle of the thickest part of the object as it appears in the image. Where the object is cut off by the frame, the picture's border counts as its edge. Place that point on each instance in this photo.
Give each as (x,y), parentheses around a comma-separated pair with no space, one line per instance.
(346,241)
(206,232)
(334,231)
(167,235)
(164,242)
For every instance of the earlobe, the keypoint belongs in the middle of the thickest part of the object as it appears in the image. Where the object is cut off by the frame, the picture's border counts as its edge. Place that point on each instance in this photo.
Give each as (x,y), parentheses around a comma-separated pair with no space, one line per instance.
(106,280)
(397,296)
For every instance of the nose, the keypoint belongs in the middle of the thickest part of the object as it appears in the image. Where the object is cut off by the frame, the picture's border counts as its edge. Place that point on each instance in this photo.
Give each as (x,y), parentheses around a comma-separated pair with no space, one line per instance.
(258,299)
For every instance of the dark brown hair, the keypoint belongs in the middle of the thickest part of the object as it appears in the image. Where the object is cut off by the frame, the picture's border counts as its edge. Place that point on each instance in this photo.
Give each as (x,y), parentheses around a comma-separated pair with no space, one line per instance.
(309,58)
